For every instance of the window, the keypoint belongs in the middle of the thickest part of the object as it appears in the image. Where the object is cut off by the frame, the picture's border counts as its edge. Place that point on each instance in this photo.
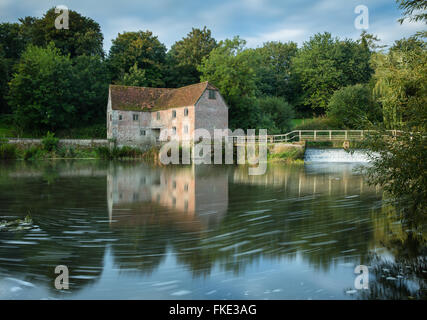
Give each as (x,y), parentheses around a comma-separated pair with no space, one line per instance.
(186,187)
(185,112)
(185,129)
(142,132)
(135,117)
(158,116)
(212,94)
(173,130)
(173,114)
(111,117)
(120,117)
(174,184)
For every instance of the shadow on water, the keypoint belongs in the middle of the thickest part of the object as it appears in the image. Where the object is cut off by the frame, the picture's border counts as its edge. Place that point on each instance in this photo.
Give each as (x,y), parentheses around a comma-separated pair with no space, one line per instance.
(132,230)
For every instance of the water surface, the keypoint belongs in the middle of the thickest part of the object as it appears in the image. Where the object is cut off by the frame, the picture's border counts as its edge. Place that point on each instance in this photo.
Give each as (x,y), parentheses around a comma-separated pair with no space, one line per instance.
(132,231)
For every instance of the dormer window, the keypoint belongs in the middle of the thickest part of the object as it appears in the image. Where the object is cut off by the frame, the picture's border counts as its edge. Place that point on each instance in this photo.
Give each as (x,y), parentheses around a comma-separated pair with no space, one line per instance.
(212,94)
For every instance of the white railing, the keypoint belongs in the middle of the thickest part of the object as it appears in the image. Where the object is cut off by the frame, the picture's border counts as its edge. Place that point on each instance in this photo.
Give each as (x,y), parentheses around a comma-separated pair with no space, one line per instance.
(310,135)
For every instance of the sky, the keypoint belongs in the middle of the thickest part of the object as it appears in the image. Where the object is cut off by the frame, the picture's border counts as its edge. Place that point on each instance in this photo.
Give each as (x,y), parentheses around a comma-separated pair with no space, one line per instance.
(256,21)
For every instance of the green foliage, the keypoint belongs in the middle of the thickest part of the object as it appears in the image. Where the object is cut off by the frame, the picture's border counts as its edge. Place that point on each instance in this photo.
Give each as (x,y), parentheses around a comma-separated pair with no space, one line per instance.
(83,37)
(91,79)
(33,153)
(320,123)
(325,64)
(229,68)
(186,55)
(353,107)
(8,151)
(135,77)
(398,167)
(142,49)
(273,69)
(50,142)
(411,6)
(118,152)
(279,111)
(41,89)
(94,131)
(401,87)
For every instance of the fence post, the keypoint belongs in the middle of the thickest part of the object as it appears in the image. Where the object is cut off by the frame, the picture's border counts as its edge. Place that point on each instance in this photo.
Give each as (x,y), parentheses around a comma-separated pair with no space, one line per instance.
(330,134)
(315,134)
(300,135)
(345,134)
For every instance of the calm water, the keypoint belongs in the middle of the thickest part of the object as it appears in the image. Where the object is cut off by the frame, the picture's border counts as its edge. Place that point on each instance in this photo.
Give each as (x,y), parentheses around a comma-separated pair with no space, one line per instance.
(131,231)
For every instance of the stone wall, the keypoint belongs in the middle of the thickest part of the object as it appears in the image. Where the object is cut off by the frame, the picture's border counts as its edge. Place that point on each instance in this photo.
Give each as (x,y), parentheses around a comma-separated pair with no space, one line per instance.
(89,143)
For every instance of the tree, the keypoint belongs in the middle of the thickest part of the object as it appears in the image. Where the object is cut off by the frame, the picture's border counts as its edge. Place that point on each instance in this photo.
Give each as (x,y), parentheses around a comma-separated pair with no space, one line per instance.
(141,48)
(401,87)
(187,54)
(411,6)
(83,36)
(273,69)
(90,88)
(135,77)
(230,68)
(279,111)
(41,90)
(325,64)
(354,107)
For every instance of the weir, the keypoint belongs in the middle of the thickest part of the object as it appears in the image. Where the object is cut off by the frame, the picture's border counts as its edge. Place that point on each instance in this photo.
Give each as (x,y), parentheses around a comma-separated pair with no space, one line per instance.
(335,155)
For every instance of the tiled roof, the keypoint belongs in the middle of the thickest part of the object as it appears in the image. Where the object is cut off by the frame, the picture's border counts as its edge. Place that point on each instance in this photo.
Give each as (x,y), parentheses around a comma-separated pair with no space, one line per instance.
(152,99)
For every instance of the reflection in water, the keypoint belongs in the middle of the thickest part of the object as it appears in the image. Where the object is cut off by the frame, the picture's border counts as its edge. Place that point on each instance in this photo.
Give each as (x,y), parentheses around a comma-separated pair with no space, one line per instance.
(128,230)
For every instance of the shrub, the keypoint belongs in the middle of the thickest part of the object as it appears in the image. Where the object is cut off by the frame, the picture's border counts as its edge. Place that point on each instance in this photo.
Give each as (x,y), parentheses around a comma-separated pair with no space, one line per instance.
(7,151)
(279,111)
(103,152)
(353,107)
(320,123)
(32,153)
(50,143)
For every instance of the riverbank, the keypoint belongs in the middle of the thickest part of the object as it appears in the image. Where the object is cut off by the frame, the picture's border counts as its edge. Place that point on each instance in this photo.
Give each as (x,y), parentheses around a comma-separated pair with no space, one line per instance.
(53,148)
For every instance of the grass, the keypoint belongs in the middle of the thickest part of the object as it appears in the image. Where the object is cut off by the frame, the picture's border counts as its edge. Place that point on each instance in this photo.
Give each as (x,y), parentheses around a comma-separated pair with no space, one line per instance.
(290,154)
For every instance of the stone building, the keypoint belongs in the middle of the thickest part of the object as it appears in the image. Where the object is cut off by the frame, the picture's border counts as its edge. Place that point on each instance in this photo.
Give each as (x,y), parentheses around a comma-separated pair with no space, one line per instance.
(141,116)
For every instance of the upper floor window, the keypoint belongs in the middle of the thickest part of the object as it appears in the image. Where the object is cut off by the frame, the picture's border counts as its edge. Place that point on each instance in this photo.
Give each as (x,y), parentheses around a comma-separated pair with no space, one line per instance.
(174,130)
(185,112)
(135,117)
(173,114)
(212,94)
(120,117)
(111,117)
(158,116)
(142,132)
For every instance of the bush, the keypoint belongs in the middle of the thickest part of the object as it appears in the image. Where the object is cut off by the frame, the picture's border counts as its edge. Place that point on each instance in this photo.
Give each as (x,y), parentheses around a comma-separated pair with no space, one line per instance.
(117,153)
(353,107)
(32,153)
(7,151)
(279,111)
(320,123)
(50,143)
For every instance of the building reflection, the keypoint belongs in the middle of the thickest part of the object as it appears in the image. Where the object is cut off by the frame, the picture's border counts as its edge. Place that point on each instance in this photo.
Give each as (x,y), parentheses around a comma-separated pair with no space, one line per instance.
(196,197)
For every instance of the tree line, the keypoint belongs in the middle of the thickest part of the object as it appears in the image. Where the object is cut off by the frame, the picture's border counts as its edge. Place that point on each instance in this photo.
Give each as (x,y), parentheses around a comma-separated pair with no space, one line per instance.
(53,79)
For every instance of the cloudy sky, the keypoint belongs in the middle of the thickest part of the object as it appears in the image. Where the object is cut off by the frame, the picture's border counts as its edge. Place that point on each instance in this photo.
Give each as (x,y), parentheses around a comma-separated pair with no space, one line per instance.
(256,21)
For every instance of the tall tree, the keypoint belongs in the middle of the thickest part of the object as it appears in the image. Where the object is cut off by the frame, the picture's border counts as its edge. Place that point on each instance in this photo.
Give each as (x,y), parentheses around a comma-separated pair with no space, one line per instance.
(325,64)
(273,69)
(230,68)
(141,48)
(41,91)
(187,54)
(82,37)
(410,7)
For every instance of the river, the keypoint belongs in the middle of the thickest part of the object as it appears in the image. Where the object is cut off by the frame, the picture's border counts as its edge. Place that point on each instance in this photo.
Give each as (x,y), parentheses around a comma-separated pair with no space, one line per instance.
(127,230)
